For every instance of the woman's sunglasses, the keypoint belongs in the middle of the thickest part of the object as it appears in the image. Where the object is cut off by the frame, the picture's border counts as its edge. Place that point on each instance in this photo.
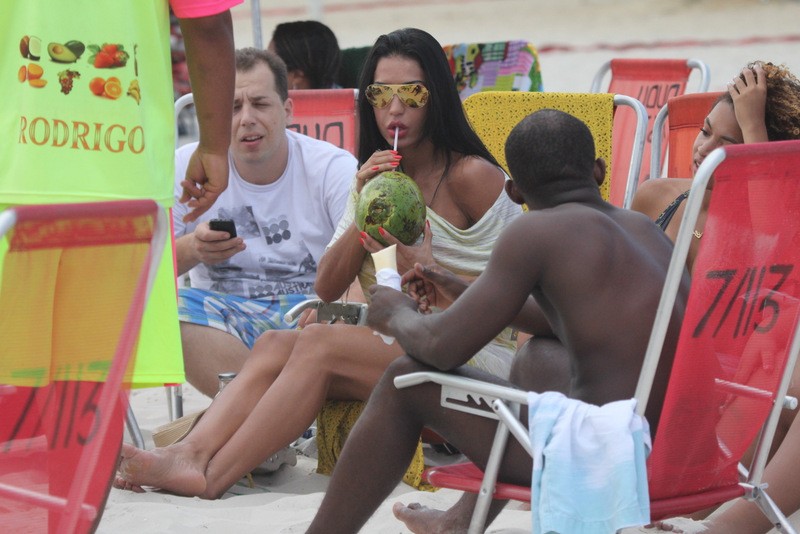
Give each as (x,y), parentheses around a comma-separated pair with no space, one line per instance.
(413,95)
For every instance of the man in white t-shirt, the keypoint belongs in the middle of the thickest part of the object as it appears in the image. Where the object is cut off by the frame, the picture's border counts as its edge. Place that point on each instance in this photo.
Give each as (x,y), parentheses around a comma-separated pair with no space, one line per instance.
(286,193)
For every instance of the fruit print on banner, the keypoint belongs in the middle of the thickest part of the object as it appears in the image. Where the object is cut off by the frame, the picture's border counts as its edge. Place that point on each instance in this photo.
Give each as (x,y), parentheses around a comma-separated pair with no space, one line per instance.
(65,79)
(108,56)
(68,52)
(100,56)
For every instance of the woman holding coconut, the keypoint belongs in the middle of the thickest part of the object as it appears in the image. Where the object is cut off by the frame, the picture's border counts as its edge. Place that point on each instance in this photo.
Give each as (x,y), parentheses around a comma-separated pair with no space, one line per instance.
(406,93)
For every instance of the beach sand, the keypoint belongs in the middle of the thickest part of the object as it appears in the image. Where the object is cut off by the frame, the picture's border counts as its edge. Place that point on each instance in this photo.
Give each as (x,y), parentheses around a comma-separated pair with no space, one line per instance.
(574,37)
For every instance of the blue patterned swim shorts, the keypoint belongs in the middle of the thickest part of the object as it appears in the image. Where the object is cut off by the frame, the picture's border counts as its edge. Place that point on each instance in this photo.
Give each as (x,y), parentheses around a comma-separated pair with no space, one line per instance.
(239,316)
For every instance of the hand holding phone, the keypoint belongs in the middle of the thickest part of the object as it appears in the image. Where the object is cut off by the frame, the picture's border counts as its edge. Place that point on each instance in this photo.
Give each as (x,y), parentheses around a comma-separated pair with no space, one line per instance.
(223,225)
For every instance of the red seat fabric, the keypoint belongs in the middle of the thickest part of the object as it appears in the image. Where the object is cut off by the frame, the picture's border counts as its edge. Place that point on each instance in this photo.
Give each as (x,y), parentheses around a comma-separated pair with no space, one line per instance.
(74,283)
(652,82)
(327,114)
(686,114)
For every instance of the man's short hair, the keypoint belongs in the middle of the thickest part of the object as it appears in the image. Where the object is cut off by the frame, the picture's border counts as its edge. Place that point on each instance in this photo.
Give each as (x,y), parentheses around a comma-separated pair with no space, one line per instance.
(247,58)
(550,149)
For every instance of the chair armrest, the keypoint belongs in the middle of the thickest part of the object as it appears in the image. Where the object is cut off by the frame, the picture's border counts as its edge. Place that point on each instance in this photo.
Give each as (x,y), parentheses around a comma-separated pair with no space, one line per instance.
(465,394)
(789,402)
(354,313)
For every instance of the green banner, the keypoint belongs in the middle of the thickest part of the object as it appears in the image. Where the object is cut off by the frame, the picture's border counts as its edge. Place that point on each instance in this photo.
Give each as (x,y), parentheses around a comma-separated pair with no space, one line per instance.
(89,117)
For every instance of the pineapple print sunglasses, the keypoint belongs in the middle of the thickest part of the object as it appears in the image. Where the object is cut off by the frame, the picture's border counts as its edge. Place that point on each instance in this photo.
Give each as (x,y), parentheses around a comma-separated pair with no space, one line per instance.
(413,95)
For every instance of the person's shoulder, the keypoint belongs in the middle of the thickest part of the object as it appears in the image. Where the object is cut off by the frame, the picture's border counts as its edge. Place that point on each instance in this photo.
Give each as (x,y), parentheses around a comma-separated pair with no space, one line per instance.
(319,152)
(320,162)
(578,218)
(312,144)
(654,195)
(572,218)
(476,167)
(553,231)
(475,184)
(472,174)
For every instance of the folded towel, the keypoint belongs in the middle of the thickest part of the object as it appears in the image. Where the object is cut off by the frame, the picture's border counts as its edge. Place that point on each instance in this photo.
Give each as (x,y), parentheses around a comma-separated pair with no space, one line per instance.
(589,473)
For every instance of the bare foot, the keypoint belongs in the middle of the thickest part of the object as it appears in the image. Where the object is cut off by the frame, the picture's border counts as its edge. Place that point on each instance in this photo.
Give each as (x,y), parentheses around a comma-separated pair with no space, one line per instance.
(671,525)
(666,527)
(163,468)
(423,520)
(121,483)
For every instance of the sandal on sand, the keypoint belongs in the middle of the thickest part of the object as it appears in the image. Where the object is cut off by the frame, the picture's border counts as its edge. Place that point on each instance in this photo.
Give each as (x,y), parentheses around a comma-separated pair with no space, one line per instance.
(287,456)
(176,430)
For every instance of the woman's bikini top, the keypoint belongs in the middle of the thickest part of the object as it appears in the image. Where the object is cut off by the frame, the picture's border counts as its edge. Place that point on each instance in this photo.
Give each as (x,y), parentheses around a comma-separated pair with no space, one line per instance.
(666,216)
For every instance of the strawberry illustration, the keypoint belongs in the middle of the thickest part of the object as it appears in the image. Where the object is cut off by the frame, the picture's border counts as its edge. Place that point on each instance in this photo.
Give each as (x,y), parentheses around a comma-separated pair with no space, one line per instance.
(103,60)
(120,58)
(109,49)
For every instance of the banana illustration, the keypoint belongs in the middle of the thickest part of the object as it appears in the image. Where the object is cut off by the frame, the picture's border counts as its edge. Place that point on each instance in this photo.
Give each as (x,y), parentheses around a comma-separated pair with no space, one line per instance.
(134,91)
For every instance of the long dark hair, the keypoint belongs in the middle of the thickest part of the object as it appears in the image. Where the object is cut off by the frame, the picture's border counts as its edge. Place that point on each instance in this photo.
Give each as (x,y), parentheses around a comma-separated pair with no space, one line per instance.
(309,46)
(445,123)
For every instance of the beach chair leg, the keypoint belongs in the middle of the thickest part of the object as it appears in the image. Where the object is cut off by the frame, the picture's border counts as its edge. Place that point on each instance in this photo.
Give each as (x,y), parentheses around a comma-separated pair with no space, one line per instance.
(133,428)
(771,510)
(174,400)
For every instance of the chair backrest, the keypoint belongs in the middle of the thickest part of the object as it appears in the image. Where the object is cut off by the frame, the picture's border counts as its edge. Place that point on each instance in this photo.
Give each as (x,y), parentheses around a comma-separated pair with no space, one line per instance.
(740,335)
(498,66)
(493,114)
(327,114)
(683,116)
(651,81)
(74,284)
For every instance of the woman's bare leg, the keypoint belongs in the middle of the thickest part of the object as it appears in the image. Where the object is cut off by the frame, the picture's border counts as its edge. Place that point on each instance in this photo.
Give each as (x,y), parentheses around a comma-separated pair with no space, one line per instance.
(327,362)
(181,467)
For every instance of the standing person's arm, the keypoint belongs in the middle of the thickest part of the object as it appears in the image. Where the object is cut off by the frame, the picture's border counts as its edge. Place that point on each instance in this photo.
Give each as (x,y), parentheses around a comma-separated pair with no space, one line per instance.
(210,57)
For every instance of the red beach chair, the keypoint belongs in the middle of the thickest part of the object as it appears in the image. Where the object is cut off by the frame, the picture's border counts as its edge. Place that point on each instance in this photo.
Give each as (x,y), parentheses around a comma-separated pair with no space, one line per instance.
(74,283)
(651,81)
(683,115)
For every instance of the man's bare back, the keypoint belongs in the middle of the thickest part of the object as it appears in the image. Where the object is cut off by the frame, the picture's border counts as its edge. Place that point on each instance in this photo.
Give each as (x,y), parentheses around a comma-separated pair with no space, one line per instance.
(603,272)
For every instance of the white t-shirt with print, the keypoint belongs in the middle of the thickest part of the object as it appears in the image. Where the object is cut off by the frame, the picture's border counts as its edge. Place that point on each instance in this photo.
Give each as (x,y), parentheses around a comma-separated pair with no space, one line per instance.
(286,224)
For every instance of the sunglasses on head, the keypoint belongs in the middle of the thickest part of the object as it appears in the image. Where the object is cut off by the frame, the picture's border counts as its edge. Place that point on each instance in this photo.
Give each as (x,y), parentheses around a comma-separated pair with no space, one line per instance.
(413,95)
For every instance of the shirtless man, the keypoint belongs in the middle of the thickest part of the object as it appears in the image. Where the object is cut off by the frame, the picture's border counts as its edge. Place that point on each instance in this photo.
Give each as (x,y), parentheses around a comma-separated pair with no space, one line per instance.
(596,273)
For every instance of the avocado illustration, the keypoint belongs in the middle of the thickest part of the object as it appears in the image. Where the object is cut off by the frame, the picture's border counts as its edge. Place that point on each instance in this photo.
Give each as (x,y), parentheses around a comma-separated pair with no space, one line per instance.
(60,53)
(76,47)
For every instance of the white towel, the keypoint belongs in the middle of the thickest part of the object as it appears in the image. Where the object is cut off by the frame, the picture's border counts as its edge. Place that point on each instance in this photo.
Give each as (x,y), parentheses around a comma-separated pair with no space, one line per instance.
(589,472)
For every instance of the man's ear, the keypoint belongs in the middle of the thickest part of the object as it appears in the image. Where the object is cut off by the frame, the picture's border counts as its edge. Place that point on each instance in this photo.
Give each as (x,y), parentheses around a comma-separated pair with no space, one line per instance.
(296,78)
(599,171)
(513,193)
(288,107)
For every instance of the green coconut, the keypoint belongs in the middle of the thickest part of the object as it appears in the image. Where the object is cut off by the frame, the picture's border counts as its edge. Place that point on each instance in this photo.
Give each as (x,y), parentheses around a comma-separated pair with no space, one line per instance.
(394,201)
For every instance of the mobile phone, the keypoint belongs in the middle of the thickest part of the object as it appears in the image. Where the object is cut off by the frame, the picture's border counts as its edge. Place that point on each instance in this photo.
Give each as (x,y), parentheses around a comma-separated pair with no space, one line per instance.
(223,225)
